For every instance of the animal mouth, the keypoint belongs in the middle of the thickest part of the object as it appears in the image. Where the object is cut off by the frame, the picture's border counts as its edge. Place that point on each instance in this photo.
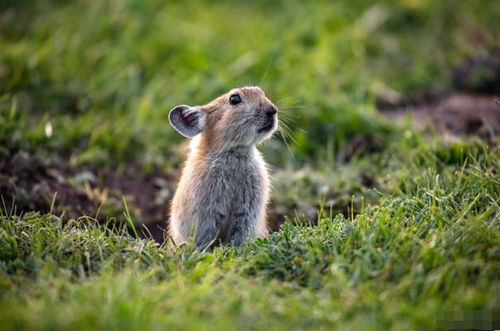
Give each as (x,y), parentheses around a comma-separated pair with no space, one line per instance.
(267,127)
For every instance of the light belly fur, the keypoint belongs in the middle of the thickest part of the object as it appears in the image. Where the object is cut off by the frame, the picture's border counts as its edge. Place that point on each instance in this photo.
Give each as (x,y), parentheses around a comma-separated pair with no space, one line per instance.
(229,195)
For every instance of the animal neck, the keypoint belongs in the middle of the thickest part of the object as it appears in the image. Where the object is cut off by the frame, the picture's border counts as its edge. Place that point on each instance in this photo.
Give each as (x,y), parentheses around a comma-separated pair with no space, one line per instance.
(240,151)
(201,149)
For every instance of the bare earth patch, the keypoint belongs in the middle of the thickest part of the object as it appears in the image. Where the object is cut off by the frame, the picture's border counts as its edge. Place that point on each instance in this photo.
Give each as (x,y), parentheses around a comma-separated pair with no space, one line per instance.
(473,110)
(452,115)
(31,184)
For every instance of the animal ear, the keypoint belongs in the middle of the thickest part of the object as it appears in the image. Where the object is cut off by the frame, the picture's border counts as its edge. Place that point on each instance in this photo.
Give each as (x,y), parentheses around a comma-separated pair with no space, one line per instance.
(186,120)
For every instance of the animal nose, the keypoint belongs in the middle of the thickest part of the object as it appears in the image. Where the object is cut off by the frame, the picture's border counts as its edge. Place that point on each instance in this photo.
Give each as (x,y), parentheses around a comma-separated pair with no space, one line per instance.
(270,111)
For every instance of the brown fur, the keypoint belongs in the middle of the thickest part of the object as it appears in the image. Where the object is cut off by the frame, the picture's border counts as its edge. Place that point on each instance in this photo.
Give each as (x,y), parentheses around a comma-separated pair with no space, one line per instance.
(224,187)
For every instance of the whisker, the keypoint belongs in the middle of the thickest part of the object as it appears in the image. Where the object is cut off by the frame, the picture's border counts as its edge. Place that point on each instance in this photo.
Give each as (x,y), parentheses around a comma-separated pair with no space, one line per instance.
(287,121)
(287,145)
(287,114)
(286,130)
(287,127)
(285,117)
(286,135)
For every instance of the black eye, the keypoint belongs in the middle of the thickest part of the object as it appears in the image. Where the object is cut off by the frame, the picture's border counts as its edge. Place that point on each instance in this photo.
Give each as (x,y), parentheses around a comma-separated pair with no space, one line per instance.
(234,99)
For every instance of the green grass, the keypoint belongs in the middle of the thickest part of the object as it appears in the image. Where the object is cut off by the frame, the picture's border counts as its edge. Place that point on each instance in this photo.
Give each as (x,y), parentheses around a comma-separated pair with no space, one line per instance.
(430,248)
(105,74)
(419,240)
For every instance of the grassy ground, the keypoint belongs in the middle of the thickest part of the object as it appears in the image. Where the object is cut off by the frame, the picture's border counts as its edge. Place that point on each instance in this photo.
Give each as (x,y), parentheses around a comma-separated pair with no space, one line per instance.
(430,248)
(408,228)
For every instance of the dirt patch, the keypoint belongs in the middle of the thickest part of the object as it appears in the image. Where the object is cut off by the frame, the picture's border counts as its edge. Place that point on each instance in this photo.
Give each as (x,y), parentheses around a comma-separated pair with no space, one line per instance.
(34,184)
(474,109)
(451,115)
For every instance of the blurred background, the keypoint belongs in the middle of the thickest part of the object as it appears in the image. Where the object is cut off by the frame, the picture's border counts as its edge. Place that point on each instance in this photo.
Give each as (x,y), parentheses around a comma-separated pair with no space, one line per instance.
(86,87)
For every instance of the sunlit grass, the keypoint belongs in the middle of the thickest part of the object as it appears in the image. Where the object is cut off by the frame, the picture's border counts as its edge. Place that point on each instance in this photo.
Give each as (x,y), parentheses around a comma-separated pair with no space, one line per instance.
(430,248)
(408,225)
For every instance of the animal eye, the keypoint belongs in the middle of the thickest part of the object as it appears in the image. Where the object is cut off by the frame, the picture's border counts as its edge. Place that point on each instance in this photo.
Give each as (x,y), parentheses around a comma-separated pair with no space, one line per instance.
(235,99)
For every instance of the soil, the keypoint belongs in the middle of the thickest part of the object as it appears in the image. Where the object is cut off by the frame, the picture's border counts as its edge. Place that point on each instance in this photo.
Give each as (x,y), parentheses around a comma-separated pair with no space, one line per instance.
(32,184)
(452,115)
(29,183)
(472,109)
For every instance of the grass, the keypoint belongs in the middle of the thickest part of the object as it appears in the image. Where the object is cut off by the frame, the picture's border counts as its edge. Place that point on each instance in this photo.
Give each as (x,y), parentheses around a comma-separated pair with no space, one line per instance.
(430,248)
(409,225)
(107,79)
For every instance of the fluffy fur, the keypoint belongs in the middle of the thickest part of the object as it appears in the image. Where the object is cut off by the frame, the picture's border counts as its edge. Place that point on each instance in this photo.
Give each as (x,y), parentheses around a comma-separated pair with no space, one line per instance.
(224,188)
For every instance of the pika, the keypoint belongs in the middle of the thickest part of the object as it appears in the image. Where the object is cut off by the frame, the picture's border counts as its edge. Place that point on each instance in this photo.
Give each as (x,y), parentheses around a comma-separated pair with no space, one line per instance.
(223,191)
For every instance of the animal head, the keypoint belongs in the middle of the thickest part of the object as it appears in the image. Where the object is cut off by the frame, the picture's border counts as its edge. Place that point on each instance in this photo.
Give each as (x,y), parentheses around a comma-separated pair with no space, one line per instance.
(241,117)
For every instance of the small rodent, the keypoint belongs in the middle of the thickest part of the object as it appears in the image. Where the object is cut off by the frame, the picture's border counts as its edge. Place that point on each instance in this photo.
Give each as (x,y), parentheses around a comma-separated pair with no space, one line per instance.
(224,187)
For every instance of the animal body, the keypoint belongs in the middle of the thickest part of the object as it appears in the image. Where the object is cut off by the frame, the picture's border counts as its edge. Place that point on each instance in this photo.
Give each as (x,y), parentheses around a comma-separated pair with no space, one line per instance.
(224,187)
